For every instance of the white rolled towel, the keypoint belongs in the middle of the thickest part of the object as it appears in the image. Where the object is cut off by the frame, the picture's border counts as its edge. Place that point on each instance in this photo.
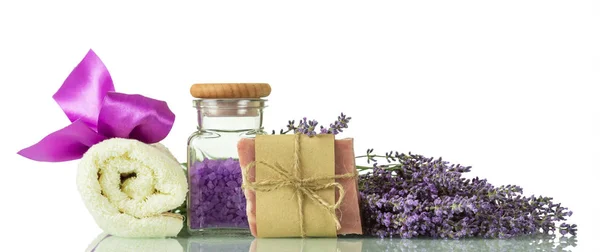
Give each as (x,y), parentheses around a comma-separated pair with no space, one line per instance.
(129,187)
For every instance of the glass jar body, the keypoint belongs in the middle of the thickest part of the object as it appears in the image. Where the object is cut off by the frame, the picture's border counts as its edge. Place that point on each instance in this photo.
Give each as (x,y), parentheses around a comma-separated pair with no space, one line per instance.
(216,201)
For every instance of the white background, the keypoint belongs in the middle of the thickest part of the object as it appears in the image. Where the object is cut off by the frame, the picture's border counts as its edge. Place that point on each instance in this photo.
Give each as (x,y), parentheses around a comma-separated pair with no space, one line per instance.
(509,87)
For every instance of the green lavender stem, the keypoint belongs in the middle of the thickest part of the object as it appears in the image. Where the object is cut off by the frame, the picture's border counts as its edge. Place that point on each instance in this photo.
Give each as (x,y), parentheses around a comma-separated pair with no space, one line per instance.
(395,167)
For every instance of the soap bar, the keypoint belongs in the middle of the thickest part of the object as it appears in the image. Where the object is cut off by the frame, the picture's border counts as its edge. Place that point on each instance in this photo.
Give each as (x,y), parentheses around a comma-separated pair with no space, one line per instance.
(349,211)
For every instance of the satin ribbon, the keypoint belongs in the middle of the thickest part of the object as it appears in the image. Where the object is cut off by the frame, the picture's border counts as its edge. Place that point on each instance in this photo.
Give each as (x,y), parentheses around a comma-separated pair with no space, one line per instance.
(97,113)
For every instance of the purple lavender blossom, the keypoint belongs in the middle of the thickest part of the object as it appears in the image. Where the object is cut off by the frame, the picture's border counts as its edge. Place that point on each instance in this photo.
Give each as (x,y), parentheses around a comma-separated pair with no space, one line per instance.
(417,196)
(309,127)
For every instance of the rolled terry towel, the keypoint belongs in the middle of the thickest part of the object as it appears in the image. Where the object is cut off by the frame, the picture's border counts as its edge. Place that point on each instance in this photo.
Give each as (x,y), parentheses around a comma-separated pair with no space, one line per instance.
(129,187)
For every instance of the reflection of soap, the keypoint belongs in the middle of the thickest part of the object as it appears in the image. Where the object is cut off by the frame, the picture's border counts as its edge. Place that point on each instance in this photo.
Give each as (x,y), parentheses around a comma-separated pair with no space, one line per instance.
(306,245)
(107,243)
(349,212)
(348,245)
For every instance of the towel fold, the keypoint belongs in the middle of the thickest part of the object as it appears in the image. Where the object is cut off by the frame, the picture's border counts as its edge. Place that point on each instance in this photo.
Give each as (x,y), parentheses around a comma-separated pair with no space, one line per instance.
(129,187)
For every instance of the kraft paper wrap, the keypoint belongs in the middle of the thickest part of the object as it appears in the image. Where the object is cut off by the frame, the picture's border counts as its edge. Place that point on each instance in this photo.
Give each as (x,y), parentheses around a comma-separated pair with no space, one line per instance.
(295,186)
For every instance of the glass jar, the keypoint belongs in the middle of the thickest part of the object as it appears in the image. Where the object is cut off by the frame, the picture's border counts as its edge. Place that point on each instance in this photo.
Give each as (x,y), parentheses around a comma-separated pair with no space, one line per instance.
(216,202)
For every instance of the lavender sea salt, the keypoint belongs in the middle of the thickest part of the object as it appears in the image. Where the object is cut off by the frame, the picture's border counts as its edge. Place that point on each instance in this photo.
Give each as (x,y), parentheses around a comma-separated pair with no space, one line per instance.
(217,200)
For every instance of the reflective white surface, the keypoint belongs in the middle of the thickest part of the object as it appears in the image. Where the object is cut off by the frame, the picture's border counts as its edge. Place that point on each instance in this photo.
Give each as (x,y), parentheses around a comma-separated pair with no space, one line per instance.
(509,87)
(105,243)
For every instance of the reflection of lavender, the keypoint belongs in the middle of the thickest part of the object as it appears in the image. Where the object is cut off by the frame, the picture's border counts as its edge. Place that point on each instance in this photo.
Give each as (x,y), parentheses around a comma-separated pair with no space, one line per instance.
(524,243)
(216,198)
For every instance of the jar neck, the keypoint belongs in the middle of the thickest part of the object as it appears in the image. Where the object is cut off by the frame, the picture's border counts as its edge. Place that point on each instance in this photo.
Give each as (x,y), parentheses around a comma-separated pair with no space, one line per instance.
(230,115)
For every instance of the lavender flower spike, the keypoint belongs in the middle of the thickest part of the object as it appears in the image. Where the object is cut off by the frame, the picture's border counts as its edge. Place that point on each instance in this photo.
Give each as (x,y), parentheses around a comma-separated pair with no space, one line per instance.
(309,127)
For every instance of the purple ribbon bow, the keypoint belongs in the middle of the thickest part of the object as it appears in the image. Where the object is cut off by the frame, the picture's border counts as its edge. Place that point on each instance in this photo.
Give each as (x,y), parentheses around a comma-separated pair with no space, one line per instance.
(97,113)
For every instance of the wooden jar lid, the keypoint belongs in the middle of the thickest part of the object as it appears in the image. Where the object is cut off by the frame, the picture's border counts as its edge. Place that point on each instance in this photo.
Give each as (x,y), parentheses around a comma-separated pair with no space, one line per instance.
(230,90)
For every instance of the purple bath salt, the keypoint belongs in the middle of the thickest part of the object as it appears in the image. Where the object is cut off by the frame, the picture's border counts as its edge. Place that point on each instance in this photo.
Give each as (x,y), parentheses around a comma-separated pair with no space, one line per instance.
(216,197)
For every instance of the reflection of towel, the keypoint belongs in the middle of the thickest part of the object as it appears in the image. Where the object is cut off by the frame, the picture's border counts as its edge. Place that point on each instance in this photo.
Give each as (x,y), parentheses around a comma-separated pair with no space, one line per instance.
(107,243)
(129,187)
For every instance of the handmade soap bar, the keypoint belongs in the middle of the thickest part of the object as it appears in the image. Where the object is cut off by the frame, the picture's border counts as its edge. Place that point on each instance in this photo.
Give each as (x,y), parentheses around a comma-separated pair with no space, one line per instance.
(348,213)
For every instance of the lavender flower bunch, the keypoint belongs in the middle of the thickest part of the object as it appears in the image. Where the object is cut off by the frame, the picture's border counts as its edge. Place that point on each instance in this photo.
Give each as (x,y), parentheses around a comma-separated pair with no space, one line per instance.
(309,127)
(416,196)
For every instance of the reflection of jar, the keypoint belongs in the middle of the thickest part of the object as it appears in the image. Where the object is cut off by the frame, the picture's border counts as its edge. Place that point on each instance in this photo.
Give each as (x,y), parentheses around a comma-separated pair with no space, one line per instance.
(216,202)
(223,244)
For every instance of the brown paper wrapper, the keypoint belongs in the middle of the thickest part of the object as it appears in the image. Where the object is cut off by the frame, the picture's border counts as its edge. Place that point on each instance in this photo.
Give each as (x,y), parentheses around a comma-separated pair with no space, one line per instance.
(277,211)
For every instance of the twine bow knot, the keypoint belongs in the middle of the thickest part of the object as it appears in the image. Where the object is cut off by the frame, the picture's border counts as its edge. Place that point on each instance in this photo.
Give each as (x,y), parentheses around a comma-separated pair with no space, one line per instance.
(303,187)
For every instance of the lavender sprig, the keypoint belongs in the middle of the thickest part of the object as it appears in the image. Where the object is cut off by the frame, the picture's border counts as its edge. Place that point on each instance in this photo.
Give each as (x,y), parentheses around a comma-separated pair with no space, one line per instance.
(308,127)
(416,196)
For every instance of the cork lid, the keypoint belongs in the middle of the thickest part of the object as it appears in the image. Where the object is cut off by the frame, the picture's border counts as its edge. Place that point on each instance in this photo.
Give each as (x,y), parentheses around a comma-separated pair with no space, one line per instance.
(230,90)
